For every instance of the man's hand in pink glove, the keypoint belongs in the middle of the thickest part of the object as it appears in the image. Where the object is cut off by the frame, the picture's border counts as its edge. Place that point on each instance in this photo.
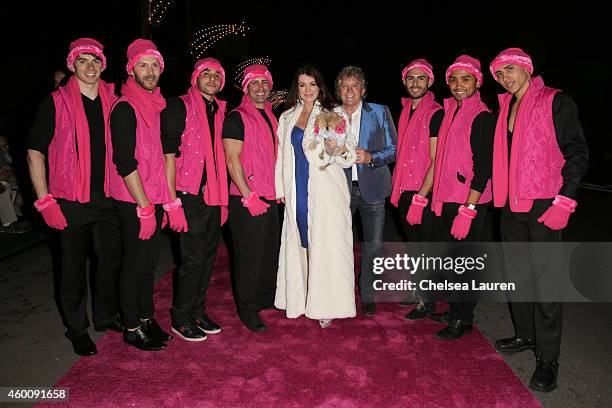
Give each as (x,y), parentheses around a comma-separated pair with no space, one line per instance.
(254,204)
(558,213)
(415,211)
(176,215)
(462,222)
(51,212)
(147,221)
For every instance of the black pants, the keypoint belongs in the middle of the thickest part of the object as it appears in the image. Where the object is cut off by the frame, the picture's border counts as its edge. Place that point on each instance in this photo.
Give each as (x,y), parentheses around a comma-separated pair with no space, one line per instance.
(140,259)
(198,250)
(256,246)
(536,320)
(90,225)
(463,309)
(415,233)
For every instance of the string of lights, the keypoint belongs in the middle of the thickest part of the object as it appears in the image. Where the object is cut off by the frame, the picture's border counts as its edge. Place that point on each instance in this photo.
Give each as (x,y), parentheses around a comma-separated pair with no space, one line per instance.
(277,97)
(157,10)
(209,36)
(239,70)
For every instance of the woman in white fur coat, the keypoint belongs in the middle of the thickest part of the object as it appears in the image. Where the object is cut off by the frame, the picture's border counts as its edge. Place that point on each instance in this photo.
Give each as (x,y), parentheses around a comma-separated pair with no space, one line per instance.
(315,272)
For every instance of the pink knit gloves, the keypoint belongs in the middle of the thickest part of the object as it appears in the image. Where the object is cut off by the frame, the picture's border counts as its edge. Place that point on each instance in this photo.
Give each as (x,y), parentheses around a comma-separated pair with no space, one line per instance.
(176,215)
(558,213)
(51,212)
(462,222)
(415,211)
(254,204)
(147,221)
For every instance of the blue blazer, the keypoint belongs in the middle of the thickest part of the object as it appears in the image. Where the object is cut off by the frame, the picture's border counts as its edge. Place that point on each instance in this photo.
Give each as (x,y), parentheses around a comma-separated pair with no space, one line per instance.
(377,135)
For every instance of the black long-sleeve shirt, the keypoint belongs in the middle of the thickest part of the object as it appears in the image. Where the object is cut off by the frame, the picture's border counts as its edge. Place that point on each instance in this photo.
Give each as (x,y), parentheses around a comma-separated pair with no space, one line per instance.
(123,134)
(173,125)
(233,127)
(481,142)
(43,129)
(571,141)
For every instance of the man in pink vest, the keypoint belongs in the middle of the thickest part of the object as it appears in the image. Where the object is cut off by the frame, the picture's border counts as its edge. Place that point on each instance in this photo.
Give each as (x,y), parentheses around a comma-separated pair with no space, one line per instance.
(140,188)
(540,158)
(71,130)
(195,164)
(461,188)
(418,128)
(249,139)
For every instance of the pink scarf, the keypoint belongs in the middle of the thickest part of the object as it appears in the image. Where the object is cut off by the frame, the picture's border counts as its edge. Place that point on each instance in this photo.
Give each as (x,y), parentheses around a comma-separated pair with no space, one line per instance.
(216,192)
(148,103)
(83,137)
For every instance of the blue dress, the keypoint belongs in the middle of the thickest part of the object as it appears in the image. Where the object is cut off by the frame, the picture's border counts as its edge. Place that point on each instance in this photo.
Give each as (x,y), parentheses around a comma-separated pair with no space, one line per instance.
(301,184)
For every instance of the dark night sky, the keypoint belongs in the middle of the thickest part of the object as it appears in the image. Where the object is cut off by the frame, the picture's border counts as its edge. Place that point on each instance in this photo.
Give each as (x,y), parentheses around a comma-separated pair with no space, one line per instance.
(570,48)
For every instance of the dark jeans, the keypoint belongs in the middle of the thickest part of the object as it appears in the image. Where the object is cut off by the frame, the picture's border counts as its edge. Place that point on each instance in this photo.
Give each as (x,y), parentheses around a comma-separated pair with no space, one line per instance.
(139,262)
(90,225)
(256,246)
(536,320)
(373,221)
(198,250)
(463,309)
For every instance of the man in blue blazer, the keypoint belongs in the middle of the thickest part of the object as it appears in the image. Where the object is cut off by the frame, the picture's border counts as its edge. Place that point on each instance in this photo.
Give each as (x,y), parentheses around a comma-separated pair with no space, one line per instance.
(369,179)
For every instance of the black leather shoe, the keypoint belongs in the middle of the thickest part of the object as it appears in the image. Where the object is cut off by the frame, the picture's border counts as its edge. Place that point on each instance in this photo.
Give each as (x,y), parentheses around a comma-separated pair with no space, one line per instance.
(83,346)
(140,339)
(207,325)
(444,317)
(544,378)
(368,308)
(116,325)
(254,323)
(189,331)
(514,345)
(151,327)
(420,311)
(454,330)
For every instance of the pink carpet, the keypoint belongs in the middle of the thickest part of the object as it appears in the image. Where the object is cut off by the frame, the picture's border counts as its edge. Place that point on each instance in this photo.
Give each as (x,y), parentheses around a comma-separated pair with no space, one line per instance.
(383,361)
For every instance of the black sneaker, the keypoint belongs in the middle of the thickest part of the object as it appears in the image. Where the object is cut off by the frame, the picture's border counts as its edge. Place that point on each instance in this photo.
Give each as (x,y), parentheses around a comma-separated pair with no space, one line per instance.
(189,332)
(207,325)
(150,327)
(420,311)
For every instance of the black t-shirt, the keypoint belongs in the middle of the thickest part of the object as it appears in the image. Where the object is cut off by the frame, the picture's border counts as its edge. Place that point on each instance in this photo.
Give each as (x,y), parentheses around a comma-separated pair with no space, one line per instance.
(173,125)
(233,127)
(43,129)
(570,139)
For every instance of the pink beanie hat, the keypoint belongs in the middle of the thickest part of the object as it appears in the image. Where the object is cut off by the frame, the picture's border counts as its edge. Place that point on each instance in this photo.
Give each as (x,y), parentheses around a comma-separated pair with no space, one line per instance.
(253,72)
(85,46)
(514,56)
(207,63)
(421,64)
(471,65)
(142,48)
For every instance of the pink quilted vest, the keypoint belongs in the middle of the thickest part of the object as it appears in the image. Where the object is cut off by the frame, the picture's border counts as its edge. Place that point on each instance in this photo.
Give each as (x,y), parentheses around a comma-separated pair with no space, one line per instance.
(258,157)
(536,161)
(62,149)
(190,165)
(413,158)
(456,157)
(151,163)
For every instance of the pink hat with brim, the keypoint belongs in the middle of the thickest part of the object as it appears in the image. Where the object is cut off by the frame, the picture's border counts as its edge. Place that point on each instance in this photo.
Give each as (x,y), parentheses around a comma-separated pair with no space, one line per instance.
(253,72)
(141,48)
(85,46)
(421,64)
(465,62)
(514,56)
(207,63)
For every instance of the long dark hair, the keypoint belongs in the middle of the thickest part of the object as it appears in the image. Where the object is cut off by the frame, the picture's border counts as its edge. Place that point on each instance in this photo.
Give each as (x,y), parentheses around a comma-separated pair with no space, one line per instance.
(325,97)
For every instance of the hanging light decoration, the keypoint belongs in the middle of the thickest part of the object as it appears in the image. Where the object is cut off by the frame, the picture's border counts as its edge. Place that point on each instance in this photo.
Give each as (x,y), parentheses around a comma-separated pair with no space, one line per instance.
(238,72)
(157,10)
(208,36)
(277,97)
